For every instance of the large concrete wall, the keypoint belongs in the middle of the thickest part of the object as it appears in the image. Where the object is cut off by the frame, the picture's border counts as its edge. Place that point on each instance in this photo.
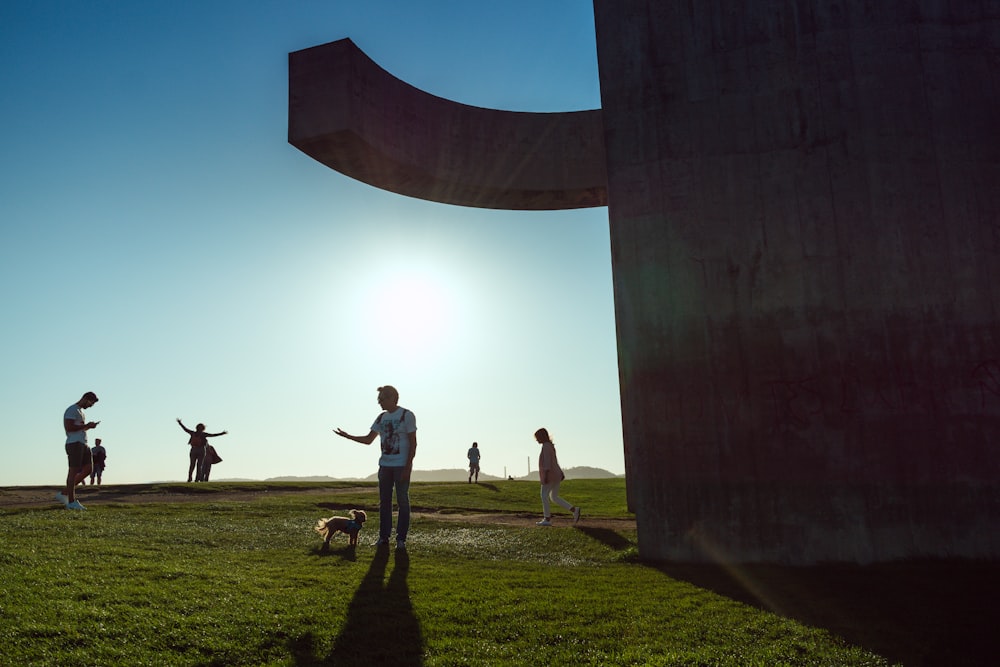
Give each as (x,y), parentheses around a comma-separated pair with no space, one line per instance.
(804,202)
(805,217)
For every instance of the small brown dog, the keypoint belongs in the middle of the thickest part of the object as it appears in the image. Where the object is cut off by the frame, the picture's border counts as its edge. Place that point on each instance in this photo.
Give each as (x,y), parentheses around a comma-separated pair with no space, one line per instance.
(349,526)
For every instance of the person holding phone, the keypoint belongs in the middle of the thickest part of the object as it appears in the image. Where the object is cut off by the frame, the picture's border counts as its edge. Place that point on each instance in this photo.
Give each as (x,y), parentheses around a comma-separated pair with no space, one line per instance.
(77,452)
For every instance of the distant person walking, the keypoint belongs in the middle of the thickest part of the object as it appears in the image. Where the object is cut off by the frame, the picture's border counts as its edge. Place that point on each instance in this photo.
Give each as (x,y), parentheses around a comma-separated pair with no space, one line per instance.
(551,476)
(199,444)
(77,452)
(99,455)
(473,457)
(397,429)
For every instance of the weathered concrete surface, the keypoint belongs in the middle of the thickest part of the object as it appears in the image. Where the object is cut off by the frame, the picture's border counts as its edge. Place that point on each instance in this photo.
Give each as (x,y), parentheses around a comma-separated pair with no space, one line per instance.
(350,114)
(805,218)
(804,202)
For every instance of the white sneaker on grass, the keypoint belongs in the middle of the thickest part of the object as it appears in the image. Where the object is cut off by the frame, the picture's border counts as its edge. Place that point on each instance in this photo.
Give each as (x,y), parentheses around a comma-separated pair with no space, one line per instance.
(544,522)
(61,497)
(75,505)
(576,515)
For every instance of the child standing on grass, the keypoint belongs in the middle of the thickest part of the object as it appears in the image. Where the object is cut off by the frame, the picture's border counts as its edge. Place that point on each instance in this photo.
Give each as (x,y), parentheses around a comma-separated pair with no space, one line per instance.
(99,456)
(211,458)
(551,476)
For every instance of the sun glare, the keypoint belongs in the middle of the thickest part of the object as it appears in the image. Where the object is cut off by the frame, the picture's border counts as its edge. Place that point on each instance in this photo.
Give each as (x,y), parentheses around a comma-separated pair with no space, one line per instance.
(421,305)
(412,310)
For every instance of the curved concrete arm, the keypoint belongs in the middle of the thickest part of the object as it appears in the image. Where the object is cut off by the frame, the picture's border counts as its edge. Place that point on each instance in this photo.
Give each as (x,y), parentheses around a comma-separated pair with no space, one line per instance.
(348,113)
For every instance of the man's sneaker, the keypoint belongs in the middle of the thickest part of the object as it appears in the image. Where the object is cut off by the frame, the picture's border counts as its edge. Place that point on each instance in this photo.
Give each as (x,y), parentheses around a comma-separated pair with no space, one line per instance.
(544,522)
(382,542)
(576,515)
(400,544)
(75,505)
(61,497)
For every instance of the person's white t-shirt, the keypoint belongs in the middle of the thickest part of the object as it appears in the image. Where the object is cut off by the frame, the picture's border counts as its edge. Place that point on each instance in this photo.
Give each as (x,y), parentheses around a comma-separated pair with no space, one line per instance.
(394,429)
(75,414)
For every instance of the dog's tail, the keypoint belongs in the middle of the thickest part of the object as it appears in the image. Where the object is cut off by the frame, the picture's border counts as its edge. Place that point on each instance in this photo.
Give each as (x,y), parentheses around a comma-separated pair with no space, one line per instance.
(322,527)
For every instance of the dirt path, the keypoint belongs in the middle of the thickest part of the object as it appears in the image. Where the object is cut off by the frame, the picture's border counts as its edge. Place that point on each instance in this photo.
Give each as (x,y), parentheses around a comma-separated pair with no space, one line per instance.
(20,497)
(39,496)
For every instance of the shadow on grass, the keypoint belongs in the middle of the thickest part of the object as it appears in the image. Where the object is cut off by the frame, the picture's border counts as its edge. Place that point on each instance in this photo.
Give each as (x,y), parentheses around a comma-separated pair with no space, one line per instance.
(918,613)
(347,552)
(488,485)
(608,537)
(381,627)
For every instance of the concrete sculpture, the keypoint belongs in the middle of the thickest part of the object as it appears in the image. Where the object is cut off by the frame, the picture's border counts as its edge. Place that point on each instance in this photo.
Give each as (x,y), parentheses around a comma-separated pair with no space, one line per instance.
(804,206)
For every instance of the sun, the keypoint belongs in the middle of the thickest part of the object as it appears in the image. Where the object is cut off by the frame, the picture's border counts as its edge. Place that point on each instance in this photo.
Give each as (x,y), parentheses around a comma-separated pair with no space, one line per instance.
(411,309)
(424,307)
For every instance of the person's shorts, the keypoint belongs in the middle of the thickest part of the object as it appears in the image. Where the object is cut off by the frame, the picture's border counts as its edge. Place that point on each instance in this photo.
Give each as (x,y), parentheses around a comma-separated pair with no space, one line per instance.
(473,467)
(78,455)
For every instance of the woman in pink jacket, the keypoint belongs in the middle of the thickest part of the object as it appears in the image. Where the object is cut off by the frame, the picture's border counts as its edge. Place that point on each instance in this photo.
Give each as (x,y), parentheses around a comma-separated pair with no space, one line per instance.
(551,476)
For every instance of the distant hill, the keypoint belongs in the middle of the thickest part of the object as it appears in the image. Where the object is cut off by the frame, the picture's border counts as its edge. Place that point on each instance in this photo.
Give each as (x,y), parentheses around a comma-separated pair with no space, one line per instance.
(450,475)
(310,478)
(586,472)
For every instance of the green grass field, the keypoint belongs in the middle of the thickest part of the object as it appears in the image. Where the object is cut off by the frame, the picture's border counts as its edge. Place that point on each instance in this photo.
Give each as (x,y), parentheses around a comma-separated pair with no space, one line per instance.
(221,581)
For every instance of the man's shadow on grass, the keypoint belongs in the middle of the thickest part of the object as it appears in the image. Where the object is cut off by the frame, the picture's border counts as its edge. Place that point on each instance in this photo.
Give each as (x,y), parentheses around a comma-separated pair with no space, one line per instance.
(381,627)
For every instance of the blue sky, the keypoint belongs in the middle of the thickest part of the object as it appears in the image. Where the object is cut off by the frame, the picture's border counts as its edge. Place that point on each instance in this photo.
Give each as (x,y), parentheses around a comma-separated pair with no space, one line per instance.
(165,247)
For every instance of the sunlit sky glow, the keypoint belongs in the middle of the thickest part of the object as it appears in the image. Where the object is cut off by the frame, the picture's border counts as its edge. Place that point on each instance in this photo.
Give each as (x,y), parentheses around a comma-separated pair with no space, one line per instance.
(165,247)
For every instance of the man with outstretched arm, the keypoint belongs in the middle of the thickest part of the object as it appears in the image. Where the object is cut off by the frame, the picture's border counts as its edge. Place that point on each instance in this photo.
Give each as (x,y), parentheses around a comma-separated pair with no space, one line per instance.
(397,429)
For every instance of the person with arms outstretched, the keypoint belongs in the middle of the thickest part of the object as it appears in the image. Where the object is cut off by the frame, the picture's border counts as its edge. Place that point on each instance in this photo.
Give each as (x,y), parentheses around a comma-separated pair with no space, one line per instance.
(199,445)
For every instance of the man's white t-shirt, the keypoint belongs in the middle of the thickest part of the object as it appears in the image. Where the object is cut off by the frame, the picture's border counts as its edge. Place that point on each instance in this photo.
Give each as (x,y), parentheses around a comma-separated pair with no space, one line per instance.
(394,429)
(75,414)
